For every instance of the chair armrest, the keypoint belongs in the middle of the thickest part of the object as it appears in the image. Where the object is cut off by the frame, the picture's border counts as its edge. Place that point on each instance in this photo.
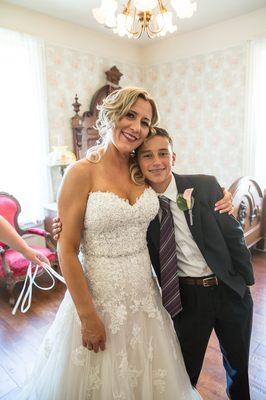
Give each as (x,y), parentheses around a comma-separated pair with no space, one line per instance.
(36,231)
(5,266)
(43,233)
(3,248)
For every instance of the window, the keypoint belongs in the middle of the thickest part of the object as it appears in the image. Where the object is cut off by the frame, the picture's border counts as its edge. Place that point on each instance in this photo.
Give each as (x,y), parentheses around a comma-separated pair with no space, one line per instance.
(23,123)
(255,146)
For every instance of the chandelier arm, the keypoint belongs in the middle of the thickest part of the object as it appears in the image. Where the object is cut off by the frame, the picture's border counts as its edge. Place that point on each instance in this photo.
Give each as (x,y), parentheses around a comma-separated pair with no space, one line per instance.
(161,7)
(136,33)
(153,33)
(150,35)
(126,10)
(156,31)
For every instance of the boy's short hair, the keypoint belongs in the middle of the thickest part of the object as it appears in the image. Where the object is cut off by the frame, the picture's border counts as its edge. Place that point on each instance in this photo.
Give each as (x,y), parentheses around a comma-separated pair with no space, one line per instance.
(156,131)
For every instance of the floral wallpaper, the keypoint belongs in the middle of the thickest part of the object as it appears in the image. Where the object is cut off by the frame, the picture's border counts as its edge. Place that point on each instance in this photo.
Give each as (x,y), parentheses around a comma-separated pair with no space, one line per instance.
(201,102)
(71,72)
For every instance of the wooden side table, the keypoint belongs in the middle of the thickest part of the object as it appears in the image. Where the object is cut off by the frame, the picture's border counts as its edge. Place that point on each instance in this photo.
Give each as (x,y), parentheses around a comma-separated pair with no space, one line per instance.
(50,212)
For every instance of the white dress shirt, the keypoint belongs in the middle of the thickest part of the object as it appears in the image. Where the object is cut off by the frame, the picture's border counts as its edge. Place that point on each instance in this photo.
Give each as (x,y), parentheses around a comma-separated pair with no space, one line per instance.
(190,260)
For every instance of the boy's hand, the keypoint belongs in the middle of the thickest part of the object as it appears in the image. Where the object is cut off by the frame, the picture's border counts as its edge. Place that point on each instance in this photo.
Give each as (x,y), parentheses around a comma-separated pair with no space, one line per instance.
(57,228)
(225,204)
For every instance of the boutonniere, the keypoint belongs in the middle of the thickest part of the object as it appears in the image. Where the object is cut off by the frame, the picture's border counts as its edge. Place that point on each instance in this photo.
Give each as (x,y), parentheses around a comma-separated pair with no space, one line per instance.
(185,202)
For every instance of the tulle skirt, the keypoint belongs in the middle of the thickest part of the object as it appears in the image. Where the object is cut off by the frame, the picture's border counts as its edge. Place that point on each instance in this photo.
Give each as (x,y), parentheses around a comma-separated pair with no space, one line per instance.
(142,360)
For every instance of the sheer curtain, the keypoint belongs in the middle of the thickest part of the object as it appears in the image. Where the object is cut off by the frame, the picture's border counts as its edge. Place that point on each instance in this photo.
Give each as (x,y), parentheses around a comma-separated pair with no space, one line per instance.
(23,126)
(255,139)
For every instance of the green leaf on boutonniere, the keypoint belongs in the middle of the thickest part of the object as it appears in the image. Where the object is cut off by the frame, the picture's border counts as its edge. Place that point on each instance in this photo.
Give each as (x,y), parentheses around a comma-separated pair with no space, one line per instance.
(181,203)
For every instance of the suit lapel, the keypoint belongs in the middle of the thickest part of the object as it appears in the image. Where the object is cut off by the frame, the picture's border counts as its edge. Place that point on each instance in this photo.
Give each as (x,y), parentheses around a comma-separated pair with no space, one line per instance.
(182,184)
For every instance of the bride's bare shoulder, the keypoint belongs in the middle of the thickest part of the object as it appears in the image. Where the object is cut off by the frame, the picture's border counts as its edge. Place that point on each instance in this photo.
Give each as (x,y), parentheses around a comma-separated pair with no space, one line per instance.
(79,174)
(81,167)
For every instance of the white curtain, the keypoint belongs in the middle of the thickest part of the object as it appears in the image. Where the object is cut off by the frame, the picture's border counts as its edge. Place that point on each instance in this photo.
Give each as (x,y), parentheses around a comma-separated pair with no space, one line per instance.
(255,135)
(23,123)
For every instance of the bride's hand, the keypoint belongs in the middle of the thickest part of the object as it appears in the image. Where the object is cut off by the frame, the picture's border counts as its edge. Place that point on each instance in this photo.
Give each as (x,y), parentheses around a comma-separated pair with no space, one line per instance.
(93,333)
(225,204)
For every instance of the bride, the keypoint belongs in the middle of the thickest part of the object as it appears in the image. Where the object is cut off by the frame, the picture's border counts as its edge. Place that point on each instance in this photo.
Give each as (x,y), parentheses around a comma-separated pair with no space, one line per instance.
(111,339)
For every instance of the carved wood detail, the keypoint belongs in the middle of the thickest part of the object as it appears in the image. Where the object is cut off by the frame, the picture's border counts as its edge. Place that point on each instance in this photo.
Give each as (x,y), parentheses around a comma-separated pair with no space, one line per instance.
(250,210)
(85,135)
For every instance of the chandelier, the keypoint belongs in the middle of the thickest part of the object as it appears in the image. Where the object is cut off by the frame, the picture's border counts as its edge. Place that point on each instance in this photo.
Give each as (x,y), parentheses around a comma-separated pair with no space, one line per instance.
(138,16)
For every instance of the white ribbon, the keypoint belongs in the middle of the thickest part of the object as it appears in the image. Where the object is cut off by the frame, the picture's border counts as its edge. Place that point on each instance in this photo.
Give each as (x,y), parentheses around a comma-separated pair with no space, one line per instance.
(30,278)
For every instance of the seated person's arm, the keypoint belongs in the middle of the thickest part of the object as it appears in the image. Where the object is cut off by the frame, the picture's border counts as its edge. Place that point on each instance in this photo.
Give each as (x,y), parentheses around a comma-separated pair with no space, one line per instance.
(9,236)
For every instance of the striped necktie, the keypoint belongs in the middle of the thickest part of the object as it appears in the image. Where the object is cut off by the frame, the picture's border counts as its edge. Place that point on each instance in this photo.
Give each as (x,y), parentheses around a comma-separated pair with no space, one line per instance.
(168,261)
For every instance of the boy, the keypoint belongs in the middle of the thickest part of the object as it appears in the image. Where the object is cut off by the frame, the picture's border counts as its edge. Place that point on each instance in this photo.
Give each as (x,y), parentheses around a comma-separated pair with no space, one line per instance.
(213,265)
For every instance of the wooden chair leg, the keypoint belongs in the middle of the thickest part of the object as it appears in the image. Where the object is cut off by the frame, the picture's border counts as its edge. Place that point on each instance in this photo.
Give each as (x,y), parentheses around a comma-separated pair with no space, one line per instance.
(10,285)
(261,245)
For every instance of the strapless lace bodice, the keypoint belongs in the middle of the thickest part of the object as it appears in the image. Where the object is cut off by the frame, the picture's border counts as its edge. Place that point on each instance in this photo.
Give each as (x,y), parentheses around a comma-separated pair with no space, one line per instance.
(115,256)
(113,227)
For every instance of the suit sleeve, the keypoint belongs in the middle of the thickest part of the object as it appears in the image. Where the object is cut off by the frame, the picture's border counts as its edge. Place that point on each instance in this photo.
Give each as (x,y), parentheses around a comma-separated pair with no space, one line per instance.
(154,254)
(233,235)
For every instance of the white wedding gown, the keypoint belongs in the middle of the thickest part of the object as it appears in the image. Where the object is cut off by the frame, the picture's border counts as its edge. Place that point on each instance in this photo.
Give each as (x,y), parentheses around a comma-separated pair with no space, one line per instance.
(142,360)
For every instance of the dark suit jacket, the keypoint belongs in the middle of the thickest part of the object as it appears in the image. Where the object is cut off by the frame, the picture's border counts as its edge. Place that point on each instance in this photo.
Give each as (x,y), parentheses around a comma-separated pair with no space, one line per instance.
(218,236)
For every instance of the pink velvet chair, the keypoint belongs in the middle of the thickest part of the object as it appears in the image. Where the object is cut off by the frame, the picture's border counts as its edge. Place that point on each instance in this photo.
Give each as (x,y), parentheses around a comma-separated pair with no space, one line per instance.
(13,266)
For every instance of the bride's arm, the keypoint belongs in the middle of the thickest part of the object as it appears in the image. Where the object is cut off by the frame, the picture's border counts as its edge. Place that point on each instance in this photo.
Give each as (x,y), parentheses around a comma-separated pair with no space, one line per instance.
(71,207)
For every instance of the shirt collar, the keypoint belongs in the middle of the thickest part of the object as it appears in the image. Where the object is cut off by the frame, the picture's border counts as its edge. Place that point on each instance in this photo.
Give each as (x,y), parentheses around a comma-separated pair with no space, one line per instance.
(171,190)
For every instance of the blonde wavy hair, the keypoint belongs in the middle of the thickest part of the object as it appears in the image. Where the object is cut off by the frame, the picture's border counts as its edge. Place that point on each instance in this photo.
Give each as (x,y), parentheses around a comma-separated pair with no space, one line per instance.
(114,107)
(135,171)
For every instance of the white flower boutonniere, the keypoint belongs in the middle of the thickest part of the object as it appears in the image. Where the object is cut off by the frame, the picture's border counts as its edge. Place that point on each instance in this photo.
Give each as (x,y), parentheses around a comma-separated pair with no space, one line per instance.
(185,202)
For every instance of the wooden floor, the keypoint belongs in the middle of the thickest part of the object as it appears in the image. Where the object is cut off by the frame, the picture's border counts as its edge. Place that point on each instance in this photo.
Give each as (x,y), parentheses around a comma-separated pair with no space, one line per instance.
(21,335)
